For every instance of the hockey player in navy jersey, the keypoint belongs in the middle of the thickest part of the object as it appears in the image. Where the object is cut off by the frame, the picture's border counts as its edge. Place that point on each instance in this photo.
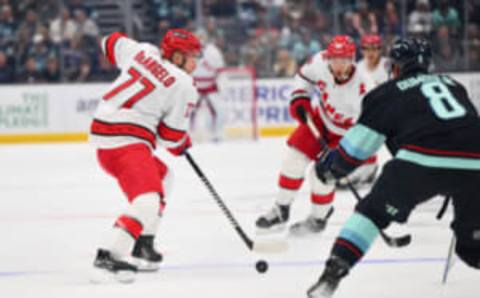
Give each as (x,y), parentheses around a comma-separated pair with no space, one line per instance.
(432,130)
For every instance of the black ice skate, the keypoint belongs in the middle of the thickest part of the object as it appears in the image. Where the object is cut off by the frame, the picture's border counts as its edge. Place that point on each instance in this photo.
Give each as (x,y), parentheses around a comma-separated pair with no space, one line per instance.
(325,287)
(108,268)
(145,255)
(275,220)
(310,225)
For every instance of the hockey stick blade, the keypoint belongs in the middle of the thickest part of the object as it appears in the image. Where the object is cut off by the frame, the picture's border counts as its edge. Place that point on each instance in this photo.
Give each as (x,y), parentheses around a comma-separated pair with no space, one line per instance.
(397,241)
(273,246)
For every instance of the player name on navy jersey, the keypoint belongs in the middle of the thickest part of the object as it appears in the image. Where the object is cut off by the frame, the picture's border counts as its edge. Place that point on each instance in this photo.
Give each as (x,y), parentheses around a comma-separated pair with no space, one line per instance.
(424,119)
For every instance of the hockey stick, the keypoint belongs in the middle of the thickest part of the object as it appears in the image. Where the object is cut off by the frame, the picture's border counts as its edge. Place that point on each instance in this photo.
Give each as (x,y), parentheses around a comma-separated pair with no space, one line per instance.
(272,247)
(390,241)
(449,260)
(444,207)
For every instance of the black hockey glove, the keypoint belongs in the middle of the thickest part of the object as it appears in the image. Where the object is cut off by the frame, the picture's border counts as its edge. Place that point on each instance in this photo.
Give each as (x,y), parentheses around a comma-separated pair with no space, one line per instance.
(323,167)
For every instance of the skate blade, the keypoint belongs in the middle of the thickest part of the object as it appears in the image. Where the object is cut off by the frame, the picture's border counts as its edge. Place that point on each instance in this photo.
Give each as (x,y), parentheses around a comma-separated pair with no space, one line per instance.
(145,266)
(102,276)
(269,231)
(299,232)
(319,291)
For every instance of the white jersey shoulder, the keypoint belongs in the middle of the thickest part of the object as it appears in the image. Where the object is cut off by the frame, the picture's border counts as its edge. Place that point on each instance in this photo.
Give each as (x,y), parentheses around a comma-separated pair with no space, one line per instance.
(340,103)
(150,93)
(379,74)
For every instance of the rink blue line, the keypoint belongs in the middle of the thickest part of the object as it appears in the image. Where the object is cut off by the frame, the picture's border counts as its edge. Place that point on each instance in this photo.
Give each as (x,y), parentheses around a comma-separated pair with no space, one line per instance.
(212,266)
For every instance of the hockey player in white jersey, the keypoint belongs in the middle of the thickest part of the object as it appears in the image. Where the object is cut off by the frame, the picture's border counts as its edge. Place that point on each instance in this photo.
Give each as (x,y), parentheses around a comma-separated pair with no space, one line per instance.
(149,104)
(373,63)
(205,78)
(342,88)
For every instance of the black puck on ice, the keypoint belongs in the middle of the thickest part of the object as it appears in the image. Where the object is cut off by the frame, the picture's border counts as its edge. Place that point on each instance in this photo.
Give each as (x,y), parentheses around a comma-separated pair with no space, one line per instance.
(261,266)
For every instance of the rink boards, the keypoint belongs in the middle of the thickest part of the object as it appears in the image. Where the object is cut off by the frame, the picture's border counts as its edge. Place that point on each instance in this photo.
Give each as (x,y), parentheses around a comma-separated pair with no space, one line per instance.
(62,113)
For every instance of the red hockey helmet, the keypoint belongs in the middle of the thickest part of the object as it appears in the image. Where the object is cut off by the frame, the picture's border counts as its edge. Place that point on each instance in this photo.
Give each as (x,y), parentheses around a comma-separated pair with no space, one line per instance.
(371,40)
(341,46)
(179,40)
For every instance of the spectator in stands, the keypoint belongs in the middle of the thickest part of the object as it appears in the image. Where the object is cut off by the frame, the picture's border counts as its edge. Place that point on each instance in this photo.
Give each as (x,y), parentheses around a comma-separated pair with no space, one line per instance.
(285,65)
(83,71)
(473,10)
(30,73)
(305,47)
(63,28)
(348,27)
(442,35)
(30,24)
(52,71)
(447,59)
(420,19)
(85,26)
(291,32)
(74,5)
(103,71)
(446,15)
(7,69)
(391,19)
(364,20)
(162,28)
(40,50)
(8,25)
(473,52)
(85,39)
(181,12)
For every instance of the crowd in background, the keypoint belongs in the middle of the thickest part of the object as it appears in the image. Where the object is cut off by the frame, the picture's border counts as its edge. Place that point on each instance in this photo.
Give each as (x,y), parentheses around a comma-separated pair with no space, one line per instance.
(50,41)
(276,36)
(58,40)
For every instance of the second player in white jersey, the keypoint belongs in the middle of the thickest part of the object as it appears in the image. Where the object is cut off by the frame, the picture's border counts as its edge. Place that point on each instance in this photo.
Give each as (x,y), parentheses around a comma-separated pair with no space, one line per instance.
(372,62)
(205,77)
(342,88)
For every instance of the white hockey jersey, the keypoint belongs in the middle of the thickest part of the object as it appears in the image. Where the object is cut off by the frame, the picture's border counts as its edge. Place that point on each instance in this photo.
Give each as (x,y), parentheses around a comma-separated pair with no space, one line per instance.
(149,102)
(205,75)
(340,103)
(380,74)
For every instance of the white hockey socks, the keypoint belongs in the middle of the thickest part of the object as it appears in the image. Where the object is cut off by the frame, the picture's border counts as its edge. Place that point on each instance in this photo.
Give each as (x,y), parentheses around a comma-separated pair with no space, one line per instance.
(141,217)
(321,197)
(292,174)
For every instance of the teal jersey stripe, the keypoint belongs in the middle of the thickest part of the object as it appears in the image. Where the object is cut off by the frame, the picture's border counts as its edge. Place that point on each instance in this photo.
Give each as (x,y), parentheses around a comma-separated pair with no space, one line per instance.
(361,142)
(356,239)
(439,161)
(360,230)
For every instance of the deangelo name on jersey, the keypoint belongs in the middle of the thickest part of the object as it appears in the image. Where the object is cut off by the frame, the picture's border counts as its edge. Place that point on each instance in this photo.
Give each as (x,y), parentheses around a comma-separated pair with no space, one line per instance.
(155,68)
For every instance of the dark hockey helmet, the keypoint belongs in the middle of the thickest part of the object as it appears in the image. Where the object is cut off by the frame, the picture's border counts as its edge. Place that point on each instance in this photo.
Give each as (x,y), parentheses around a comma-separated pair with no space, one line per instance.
(411,55)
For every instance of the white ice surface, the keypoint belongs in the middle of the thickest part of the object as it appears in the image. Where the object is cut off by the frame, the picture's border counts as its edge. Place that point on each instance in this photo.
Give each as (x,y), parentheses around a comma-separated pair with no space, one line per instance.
(56,204)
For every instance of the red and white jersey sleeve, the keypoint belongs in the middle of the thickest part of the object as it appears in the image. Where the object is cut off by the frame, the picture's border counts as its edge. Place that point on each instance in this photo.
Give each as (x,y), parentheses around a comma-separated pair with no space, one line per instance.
(379,75)
(149,102)
(205,75)
(118,48)
(340,103)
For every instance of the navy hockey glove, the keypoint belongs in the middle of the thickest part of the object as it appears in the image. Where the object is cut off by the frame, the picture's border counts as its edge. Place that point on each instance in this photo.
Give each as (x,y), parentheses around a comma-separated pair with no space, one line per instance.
(323,167)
